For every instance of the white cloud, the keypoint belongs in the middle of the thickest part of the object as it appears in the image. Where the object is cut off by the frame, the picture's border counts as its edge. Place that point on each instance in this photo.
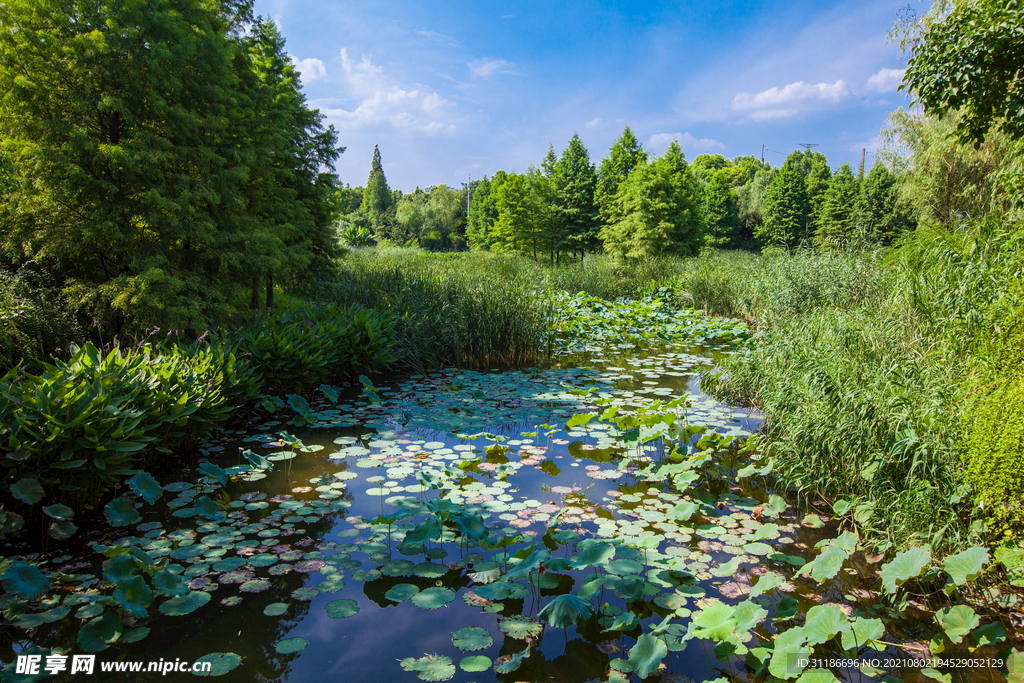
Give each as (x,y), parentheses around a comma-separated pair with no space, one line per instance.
(439,37)
(485,68)
(382,100)
(593,123)
(790,100)
(886,80)
(310,69)
(661,140)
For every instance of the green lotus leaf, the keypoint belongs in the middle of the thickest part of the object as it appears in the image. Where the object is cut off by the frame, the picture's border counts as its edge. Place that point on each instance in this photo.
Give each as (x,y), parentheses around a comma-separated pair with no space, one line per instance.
(768,582)
(430,667)
(61,513)
(716,621)
(471,639)
(622,567)
(275,609)
(863,632)
(727,569)
(957,621)
(97,634)
(290,645)
(121,512)
(134,595)
(430,570)
(775,506)
(475,663)
(402,592)
(341,609)
(169,584)
(220,664)
(593,555)
(824,622)
(906,565)
(626,621)
(966,566)
(520,627)
(214,472)
(397,568)
(748,615)
(205,507)
(565,610)
(433,598)
(790,648)
(146,487)
(646,655)
(826,565)
(510,663)
(185,604)
(684,511)
(786,608)
(502,590)
(989,634)
(27,491)
(62,530)
(25,580)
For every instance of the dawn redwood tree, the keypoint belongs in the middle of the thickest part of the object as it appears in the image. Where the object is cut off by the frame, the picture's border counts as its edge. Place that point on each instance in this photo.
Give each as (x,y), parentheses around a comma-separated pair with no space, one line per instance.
(834,218)
(787,209)
(575,215)
(878,211)
(377,197)
(721,214)
(625,155)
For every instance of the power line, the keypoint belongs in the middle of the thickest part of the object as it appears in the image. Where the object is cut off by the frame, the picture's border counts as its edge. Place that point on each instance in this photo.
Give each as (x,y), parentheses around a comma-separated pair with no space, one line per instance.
(807,145)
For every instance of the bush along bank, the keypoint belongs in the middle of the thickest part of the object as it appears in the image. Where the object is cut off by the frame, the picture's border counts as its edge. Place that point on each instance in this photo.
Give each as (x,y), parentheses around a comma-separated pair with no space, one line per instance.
(74,431)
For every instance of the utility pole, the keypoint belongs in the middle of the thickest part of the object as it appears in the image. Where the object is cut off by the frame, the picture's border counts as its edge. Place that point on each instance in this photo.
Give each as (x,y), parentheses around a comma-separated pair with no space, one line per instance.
(762,155)
(863,154)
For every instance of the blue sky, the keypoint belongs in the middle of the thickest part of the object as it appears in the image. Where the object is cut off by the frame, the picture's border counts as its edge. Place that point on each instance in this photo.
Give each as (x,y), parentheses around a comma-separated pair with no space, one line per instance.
(447,90)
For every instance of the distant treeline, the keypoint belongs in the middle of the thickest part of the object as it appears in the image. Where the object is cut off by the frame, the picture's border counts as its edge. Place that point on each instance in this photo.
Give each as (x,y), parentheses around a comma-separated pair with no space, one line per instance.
(634,205)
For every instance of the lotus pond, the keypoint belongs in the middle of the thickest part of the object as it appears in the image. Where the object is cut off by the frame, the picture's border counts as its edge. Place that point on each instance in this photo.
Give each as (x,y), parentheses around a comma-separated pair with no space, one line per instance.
(599,519)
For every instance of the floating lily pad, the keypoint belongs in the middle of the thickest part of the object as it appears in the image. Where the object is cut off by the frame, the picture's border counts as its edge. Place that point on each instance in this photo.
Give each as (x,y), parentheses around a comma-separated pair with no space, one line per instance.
(475,663)
(341,609)
(275,609)
(289,645)
(220,664)
(520,627)
(305,593)
(430,667)
(402,592)
(471,639)
(185,604)
(433,598)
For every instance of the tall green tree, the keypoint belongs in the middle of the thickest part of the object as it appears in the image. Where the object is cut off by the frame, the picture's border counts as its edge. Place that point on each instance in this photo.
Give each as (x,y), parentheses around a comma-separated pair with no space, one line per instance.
(968,56)
(787,209)
(625,155)
(483,210)
(574,213)
(834,218)
(655,211)
(878,212)
(813,166)
(513,231)
(721,213)
(750,199)
(377,197)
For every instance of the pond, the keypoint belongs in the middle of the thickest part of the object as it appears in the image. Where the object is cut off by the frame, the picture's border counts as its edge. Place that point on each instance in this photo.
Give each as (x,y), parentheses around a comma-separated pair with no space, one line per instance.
(452,527)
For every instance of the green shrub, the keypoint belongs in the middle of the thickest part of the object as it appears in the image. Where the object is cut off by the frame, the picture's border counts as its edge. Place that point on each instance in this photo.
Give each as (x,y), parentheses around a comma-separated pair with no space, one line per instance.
(995,436)
(35,319)
(300,349)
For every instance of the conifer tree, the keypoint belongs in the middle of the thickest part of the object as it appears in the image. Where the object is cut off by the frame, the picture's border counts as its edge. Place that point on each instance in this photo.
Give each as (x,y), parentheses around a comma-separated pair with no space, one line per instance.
(834,217)
(377,197)
(575,215)
(720,211)
(625,155)
(878,212)
(787,210)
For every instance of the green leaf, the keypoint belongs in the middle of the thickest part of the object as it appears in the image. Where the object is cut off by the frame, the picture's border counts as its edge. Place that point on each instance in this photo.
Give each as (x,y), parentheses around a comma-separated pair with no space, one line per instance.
(341,609)
(25,580)
(817,676)
(826,565)
(966,566)
(593,555)
(134,595)
(185,604)
(507,666)
(472,638)
(646,655)
(27,491)
(430,667)
(789,649)
(768,582)
(520,627)
(823,623)
(97,634)
(205,507)
(429,530)
(290,645)
(684,511)
(121,512)
(62,530)
(989,634)
(475,663)
(59,512)
(433,598)
(169,584)
(775,506)
(957,621)
(146,487)
(906,565)
(862,632)
(716,621)
(220,663)
(1015,667)
(214,472)
(565,610)
(581,419)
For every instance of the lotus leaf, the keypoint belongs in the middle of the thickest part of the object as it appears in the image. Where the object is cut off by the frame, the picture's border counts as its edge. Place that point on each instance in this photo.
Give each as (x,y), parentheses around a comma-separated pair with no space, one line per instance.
(184,604)
(25,580)
(646,654)
(520,627)
(475,663)
(433,598)
(965,566)
(957,621)
(906,565)
(565,610)
(430,667)
(823,623)
(220,663)
(471,639)
(290,645)
(121,512)
(146,487)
